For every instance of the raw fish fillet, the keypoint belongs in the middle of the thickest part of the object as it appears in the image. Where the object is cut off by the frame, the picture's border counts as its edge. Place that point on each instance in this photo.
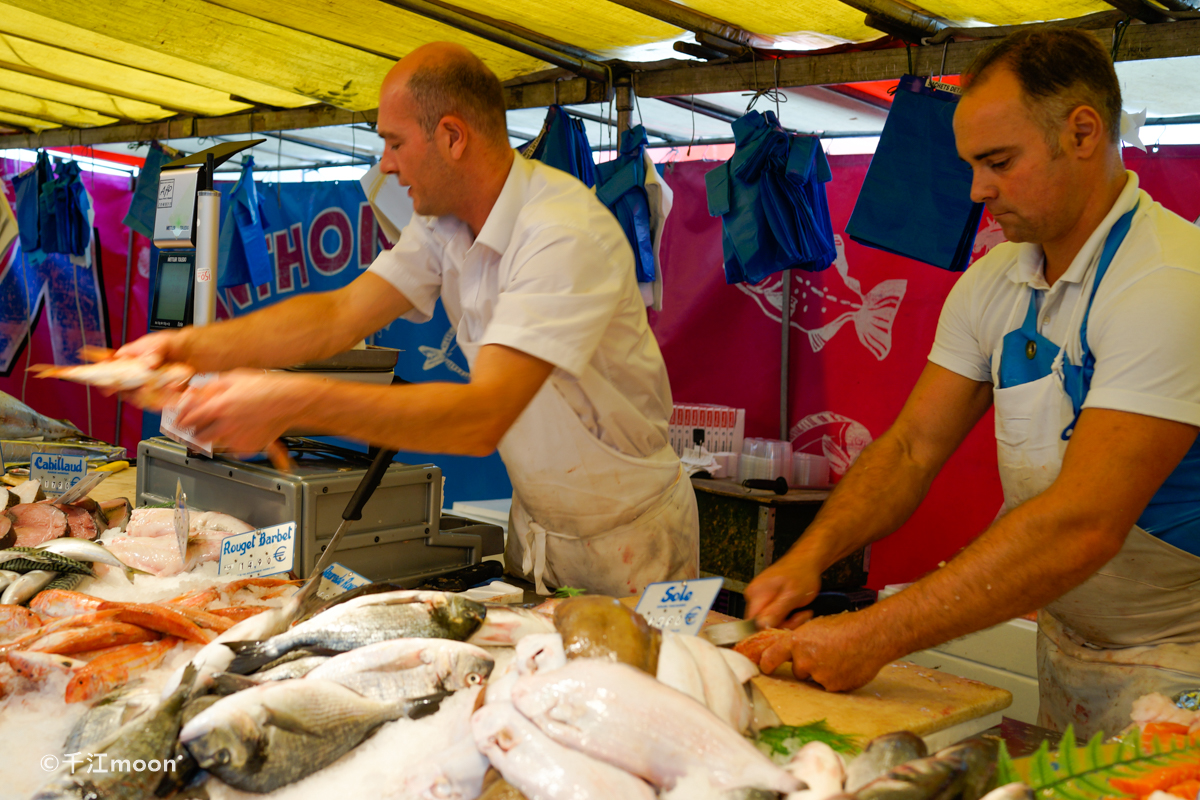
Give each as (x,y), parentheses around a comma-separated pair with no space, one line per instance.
(36,523)
(159,555)
(151,522)
(80,523)
(119,374)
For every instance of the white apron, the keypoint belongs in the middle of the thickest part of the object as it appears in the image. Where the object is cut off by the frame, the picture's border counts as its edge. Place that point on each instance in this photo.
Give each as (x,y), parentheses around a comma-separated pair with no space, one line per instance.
(1134,626)
(586,515)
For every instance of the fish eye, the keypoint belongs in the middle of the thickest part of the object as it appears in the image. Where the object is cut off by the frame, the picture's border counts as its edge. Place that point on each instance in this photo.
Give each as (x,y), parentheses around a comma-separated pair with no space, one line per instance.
(474,679)
(221,757)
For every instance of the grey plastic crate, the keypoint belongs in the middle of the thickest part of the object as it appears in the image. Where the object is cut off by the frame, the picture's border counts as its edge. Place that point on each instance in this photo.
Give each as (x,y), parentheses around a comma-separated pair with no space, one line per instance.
(399,537)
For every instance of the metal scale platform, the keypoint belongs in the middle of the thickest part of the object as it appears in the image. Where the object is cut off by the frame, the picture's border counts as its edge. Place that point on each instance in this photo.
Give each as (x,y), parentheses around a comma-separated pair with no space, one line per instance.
(402,536)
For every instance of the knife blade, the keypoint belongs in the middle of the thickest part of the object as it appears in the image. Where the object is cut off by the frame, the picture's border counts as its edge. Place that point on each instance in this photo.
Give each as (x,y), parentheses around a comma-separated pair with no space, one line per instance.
(728,634)
(181,520)
(80,489)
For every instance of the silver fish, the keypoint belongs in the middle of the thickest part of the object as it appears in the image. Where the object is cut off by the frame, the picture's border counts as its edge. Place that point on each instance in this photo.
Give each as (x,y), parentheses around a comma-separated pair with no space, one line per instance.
(19,421)
(108,714)
(7,576)
(929,778)
(23,589)
(368,620)
(882,754)
(618,713)
(407,668)
(148,741)
(280,732)
(225,683)
(979,757)
(84,550)
(1010,791)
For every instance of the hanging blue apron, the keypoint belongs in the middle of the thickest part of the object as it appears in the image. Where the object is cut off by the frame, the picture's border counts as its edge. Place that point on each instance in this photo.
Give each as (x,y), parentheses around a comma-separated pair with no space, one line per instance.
(621,186)
(1134,626)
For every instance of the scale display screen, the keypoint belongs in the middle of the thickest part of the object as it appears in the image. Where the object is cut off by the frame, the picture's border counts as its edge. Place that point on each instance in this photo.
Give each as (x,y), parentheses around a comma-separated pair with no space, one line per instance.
(171,303)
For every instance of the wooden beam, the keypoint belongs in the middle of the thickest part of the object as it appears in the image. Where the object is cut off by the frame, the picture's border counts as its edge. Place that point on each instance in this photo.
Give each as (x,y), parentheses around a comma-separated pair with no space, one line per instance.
(1141,9)
(897,19)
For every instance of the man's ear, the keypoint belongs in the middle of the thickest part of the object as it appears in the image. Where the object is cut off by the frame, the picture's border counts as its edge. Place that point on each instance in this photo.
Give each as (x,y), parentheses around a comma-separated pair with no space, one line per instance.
(1086,131)
(454,132)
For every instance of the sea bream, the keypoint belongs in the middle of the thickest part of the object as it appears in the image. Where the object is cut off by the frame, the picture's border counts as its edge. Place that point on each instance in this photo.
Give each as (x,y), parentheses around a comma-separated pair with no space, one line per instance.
(19,421)
(407,668)
(619,714)
(543,769)
(271,735)
(368,620)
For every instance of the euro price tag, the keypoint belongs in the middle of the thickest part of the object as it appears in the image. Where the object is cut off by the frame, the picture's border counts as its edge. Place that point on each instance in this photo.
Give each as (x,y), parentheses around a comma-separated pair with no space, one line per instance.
(339,579)
(679,606)
(258,553)
(57,472)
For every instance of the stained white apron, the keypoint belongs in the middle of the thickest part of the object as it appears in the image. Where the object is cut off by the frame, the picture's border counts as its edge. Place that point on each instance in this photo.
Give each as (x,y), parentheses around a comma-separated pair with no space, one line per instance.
(1134,626)
(586,515)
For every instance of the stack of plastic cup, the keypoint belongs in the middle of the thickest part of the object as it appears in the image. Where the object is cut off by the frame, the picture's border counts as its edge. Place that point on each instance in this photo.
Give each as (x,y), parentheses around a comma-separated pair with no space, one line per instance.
(765,459)
(728,463)
(809,470)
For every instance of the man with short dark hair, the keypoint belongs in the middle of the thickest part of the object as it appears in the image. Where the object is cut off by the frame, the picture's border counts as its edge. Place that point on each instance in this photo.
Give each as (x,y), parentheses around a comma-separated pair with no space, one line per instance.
(1082,332)
(537,277)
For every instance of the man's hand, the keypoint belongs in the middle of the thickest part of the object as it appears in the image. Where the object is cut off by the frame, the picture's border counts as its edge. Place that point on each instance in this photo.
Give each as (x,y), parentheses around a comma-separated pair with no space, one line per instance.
(835,651)
(244,411)
(158,348)
(791,582)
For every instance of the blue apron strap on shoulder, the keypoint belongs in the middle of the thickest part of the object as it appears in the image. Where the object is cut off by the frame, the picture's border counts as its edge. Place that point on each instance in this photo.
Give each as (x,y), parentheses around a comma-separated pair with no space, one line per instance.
(1078,380)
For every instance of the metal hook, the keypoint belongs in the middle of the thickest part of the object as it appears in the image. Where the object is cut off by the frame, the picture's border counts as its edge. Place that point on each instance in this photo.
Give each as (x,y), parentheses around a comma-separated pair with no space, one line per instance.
(945,47)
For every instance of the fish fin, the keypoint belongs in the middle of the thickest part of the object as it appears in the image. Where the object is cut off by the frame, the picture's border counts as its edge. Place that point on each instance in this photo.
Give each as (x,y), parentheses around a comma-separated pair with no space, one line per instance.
(424,706)
(290,723)
(249,656)
(226,683)
(873,322)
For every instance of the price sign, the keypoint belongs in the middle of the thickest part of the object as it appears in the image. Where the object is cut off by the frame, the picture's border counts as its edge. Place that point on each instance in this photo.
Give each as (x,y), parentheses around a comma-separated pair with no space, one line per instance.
(254,554)
(57,472)
(679,606)
(338,579)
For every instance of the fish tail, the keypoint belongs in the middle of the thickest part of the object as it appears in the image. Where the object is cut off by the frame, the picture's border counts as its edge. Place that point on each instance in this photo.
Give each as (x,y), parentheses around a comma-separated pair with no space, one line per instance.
(250,656)
(873,321)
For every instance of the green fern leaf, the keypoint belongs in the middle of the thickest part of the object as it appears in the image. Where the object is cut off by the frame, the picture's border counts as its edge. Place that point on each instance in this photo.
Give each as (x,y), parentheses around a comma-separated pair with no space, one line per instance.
(1005,772)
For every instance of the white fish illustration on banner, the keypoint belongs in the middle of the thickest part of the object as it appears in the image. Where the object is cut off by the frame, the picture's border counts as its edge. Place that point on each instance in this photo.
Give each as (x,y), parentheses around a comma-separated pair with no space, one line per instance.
(436,357)
(835,436)
(872,313)
(988,237)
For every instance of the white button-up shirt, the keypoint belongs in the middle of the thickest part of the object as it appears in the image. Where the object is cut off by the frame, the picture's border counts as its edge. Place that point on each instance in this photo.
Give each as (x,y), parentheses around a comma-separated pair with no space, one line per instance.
(551,274)
(1144,327)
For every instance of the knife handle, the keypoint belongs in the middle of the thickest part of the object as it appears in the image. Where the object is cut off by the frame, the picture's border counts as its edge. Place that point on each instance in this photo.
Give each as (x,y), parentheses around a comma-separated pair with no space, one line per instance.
(368,484)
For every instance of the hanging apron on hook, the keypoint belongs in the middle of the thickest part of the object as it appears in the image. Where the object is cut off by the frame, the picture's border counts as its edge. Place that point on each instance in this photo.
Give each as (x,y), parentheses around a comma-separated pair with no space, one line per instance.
(563,144)
(1134,626)
(621,187)
(242,255)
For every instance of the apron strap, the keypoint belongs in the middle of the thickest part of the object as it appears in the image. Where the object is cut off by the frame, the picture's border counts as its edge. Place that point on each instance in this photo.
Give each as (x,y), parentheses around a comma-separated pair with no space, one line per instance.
(1078,380)
(533,559)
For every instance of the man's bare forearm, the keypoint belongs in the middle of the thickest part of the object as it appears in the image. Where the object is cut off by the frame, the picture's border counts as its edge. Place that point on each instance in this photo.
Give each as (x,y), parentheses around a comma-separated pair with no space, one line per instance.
(878,493)
(287,333)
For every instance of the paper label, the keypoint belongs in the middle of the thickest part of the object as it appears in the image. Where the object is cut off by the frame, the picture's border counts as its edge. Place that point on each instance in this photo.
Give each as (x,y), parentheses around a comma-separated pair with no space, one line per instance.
(255,554)
(56,472)
(338,579)
(186,436)
(181,520)
(679,606)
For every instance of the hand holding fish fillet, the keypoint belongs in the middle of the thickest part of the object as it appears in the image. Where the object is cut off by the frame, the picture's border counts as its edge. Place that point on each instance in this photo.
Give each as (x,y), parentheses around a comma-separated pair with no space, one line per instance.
(120,373)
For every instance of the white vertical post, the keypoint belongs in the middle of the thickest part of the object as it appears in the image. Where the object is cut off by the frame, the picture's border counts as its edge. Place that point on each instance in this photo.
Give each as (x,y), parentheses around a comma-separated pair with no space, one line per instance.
(208,212)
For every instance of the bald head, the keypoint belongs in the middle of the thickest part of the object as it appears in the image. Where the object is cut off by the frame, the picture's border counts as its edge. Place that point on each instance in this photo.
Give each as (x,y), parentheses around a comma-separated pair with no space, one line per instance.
(441,79)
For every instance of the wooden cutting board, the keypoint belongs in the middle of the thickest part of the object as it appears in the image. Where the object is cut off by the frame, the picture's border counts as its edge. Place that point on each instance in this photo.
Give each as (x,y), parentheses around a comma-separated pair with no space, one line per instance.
(903,697)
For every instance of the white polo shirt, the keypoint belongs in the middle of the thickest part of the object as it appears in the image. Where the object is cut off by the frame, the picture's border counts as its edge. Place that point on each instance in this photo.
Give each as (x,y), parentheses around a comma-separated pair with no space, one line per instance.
(1144,327)
(551,274)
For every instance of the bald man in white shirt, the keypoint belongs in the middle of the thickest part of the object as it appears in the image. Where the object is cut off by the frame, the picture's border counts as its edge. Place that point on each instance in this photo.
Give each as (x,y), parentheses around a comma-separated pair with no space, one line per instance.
(537,277)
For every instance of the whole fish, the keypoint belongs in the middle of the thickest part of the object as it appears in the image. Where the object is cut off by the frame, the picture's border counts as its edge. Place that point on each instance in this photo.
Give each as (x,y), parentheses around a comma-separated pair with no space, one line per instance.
(544,769)
(227,683)
(114,668)
(407,668)
(80,640)
(51,624)
(23,589)
(84,550)
(27,559)
(929,778)
(109,713)
(66,581)
(979,756)
(65,603)
(619,714)
(882,754)
(818,767)
(19,421)
(162,619)
(212,622)
(278,733)
(17,621)
(1010,791)
(505,626)
(39,666)
(147,743)
(604,627)
(7,576)
(368,620)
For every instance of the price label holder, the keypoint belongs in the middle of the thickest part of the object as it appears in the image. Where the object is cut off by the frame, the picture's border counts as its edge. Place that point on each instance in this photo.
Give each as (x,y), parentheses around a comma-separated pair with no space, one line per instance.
(255,554)
(338,579)
(679,606)
(57,472)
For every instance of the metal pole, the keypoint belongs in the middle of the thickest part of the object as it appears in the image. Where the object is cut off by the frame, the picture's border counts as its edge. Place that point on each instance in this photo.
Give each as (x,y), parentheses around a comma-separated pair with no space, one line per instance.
(785,311)
(125,315)
(208,213)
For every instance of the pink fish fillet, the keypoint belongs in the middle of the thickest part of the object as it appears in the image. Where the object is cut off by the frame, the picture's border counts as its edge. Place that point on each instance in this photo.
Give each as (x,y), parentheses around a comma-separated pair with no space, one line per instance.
(619,714)
(36,523)
(150,522)
(159,555)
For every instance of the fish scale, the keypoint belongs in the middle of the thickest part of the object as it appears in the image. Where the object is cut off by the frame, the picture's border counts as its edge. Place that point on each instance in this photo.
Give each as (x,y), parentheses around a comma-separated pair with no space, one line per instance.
(28,559)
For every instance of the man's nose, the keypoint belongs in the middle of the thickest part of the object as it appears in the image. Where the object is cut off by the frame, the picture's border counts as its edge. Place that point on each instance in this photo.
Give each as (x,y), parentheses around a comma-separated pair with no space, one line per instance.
(982,188)
(387,162)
